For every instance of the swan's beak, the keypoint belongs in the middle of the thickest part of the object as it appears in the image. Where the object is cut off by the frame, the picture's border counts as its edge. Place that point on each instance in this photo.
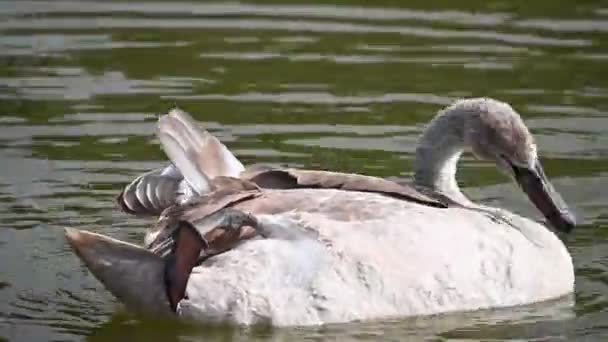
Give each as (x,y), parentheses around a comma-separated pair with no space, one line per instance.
(535,184)
(132,274)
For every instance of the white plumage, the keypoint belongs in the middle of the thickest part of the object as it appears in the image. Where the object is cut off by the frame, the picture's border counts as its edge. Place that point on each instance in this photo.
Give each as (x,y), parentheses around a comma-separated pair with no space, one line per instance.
(401,259)
(368,252)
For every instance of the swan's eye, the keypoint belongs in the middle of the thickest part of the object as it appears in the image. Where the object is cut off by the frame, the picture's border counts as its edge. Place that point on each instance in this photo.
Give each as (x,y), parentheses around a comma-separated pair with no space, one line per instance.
(516,170)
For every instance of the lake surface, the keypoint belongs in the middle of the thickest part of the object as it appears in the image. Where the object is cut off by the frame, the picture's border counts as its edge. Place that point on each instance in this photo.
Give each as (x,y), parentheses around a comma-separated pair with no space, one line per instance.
(343,85)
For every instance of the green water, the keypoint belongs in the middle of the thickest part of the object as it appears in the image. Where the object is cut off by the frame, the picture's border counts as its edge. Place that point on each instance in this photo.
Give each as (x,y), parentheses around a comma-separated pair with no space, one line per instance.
(344,85)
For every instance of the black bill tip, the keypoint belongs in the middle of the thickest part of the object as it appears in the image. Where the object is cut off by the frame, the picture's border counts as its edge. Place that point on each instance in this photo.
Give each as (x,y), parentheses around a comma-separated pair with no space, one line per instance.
(547,200)
(562,221)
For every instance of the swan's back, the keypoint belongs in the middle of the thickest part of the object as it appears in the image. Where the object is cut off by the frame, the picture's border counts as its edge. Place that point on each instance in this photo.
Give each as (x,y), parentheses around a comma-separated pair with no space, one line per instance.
(364,255)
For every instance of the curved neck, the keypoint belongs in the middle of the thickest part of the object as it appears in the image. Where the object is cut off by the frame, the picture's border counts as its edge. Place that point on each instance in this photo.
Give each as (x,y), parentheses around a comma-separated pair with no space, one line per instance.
(437,154)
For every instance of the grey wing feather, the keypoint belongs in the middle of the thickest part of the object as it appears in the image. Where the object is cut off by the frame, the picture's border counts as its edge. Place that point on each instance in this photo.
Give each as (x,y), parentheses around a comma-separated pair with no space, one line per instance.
(152,192)
(198,155)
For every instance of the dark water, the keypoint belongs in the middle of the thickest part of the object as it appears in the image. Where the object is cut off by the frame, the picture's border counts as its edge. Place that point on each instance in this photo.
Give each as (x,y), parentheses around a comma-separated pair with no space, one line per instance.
(337,86)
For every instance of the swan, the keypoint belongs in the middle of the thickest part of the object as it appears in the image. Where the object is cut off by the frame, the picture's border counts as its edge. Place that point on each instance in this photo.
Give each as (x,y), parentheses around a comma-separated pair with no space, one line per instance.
(292,247)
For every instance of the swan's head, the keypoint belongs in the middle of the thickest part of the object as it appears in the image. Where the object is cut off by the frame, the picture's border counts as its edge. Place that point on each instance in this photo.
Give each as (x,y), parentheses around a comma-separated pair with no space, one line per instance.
(496,132)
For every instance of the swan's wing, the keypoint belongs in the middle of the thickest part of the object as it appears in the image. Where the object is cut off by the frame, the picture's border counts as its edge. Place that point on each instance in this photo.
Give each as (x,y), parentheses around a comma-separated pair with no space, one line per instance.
(294,178)
(200,164)
(197,154)
(152,192)
(159,238)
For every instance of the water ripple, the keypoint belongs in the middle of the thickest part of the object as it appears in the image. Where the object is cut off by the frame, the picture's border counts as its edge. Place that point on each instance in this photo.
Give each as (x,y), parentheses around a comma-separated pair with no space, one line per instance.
(358,59)
(79,85)
(101,22)
(52,44)
(317,98)
(587,25)
(227,9)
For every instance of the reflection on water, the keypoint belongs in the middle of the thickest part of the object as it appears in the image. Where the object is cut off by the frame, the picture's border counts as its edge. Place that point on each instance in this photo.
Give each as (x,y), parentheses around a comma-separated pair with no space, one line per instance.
(337,86)
(54,44)
(75,84)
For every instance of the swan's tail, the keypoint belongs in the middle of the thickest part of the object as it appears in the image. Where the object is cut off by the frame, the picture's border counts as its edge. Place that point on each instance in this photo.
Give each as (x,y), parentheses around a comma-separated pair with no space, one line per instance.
(197,158)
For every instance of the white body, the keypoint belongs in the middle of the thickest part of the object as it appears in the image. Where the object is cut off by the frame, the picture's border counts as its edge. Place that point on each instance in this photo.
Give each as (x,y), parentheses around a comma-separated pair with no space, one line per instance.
(335,256)
(382,258)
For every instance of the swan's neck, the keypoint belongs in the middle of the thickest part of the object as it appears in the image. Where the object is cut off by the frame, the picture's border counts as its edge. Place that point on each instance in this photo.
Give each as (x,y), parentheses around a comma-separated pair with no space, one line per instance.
(439,149)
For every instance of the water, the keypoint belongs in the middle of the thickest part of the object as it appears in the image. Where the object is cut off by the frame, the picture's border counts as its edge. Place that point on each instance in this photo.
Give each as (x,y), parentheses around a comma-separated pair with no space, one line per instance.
(340,86)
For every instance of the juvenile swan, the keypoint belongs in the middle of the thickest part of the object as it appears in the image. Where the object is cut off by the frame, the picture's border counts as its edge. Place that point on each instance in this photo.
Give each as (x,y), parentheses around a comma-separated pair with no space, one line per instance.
(298,247)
